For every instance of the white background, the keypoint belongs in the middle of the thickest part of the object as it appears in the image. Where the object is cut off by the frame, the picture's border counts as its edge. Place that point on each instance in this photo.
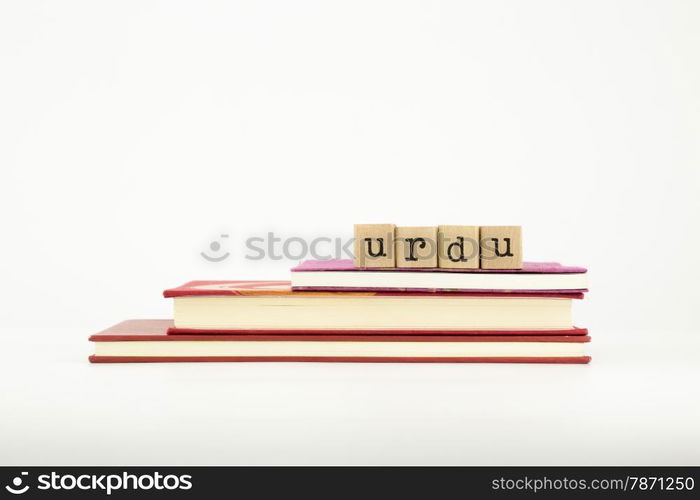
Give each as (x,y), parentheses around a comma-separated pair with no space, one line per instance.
(132,134)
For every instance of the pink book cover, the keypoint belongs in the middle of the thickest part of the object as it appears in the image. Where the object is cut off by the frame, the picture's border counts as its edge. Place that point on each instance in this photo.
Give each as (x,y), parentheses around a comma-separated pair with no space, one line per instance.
(347,265)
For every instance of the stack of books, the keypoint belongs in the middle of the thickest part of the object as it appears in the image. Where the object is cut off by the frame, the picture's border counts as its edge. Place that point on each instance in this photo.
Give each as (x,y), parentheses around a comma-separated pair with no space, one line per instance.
(333,311)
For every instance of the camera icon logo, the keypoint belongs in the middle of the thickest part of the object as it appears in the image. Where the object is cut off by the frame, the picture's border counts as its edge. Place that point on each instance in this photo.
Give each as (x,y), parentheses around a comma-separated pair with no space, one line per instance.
(16,488)
(219,254)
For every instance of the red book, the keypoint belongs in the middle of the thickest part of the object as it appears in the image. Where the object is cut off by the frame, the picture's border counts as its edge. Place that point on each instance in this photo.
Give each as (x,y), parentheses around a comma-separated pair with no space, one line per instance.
(272,306)
(138,341)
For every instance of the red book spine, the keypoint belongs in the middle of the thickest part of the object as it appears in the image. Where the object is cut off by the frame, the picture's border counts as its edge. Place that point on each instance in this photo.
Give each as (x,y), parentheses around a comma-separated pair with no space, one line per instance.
(334,359)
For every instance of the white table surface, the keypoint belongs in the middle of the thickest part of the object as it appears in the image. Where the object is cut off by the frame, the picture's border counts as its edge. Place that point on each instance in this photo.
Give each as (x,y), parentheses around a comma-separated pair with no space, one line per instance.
(638,402)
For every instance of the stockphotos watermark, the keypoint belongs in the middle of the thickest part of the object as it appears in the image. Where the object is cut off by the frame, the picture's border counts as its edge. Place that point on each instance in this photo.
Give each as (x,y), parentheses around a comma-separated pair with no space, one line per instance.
(271,246)
(98,483)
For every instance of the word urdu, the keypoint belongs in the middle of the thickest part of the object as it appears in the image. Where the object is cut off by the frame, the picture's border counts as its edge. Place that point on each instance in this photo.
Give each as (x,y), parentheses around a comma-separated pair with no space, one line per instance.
(448,247)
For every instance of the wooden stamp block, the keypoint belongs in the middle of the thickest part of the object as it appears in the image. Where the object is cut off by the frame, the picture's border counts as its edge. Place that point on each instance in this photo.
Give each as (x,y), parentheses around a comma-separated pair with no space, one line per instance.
(416,247)
(458,247)
(501,247)
(374,245)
